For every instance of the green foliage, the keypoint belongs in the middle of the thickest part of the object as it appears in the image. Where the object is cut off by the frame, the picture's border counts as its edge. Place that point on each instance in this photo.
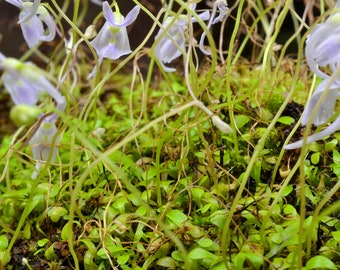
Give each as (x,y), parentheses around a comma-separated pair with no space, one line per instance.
(145,180)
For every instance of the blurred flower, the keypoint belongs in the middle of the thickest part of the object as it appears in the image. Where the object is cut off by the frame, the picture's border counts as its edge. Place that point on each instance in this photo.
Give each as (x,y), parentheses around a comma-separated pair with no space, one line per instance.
(327,93)
(112,40)
(25,82)
(223,9)
(43,144)
(32,18)
(171,38)
(323,45)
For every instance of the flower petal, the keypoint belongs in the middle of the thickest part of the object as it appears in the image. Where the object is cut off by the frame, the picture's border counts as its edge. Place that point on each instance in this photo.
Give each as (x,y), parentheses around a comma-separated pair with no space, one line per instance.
(326,108)
(32,30)
(43,144)
(131,16)
(335,126)
(50,23)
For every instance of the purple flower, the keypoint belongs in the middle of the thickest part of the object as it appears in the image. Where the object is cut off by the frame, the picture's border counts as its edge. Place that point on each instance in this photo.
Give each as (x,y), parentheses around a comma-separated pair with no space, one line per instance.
(32,18)
(112,40)
(171,39)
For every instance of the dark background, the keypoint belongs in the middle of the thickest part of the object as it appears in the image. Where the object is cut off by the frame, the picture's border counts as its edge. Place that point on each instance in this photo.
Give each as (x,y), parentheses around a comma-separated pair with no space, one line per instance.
(13,44)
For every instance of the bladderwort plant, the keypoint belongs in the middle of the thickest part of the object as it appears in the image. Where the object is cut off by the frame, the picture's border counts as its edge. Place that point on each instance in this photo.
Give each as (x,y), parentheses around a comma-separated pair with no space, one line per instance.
(176,161)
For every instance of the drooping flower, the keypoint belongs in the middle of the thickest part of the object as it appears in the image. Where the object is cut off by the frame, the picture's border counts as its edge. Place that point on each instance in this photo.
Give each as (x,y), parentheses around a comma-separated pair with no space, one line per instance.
(32,19)
(112,40)
(171,38)
(323,45)
(223,9)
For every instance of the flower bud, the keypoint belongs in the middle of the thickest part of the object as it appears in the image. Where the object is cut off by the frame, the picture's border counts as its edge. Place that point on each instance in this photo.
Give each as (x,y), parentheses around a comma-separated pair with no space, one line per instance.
(222,126)
(23,114)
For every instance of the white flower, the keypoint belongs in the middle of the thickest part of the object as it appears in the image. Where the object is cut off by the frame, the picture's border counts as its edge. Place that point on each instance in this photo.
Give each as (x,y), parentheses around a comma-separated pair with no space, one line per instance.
(32,18)
(323,49)
(112,40)
(171,44)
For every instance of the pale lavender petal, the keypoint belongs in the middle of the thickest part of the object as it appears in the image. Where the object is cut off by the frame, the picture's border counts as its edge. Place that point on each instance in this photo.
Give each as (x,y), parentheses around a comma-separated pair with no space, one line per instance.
(32,30)
(166,51)
(326,108)
(335,126)
(102,39)
(121,45)
(22,91)
(50,23)
(43,144)
(111,42)
(131,16)
(108,13)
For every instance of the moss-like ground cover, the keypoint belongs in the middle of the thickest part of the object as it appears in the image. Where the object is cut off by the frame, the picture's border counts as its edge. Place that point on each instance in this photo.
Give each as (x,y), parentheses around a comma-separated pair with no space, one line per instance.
(145,180)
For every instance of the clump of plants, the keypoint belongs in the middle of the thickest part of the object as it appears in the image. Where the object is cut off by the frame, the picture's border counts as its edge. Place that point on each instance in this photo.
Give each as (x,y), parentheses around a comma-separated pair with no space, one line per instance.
(183,154)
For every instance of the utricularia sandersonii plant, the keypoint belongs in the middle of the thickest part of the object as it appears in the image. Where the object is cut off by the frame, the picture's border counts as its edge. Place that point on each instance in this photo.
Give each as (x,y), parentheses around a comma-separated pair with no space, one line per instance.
(25,82)
(323,50)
